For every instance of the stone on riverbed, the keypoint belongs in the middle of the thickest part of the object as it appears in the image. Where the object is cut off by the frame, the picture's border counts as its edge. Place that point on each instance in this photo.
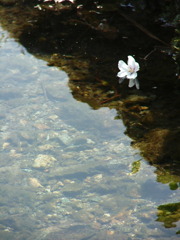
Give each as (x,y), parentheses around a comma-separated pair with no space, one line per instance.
(44,161)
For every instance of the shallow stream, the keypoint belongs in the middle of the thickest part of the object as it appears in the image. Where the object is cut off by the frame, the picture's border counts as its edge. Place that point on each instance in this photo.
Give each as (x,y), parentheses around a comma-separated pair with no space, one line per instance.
(68,171)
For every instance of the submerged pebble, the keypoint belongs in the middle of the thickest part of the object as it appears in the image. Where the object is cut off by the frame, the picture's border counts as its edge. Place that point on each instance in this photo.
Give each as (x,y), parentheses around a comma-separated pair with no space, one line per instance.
(34,182)
(43,161)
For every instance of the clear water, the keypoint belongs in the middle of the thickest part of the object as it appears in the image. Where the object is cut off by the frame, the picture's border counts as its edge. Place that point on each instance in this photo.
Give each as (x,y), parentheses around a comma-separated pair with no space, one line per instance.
(68,171)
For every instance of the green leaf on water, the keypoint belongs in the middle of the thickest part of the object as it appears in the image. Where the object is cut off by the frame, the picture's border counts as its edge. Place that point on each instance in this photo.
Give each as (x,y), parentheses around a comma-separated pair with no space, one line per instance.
(136,166)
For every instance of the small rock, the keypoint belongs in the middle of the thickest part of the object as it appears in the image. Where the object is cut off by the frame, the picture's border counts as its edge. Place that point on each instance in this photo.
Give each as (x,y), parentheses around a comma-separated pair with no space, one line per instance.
(46,147)
(5,145)
(23,122)
(98,177)
(13,153)
(43,161)
(41,126)
(65,137)
(53,117)
(61,184)
(69,181)
(35,182)
(110,232)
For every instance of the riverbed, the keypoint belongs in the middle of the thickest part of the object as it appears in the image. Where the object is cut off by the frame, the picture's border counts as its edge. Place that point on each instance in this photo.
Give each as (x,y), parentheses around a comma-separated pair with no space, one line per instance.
(69,171)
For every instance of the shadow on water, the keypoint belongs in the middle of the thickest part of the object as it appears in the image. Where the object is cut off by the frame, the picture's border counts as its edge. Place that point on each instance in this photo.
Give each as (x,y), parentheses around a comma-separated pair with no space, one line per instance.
(87,40)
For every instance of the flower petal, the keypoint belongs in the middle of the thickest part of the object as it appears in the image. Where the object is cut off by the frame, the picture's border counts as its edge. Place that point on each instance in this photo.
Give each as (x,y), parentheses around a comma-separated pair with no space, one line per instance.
(132,75)
(122,74)
(131,62)
(131,82)
(137,83)
(122,66)
(136,67)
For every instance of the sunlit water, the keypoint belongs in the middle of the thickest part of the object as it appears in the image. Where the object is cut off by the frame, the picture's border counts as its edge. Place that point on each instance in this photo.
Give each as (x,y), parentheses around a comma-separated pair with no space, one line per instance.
(67,171)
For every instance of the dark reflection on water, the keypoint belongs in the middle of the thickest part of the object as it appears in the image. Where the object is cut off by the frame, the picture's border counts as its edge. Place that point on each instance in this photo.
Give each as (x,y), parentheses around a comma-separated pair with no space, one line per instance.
(67,171)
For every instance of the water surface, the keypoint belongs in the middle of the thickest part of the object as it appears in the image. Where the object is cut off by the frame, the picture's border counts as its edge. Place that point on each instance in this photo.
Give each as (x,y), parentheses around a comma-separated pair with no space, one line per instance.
(68,171)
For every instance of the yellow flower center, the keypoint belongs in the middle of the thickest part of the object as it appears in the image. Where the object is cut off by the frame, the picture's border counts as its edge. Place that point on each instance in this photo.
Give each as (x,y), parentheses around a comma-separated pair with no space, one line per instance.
(131,70)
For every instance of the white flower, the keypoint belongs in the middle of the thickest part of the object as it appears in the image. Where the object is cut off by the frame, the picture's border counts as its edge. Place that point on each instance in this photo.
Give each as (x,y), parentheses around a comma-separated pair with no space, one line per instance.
(129,71)
(59,1)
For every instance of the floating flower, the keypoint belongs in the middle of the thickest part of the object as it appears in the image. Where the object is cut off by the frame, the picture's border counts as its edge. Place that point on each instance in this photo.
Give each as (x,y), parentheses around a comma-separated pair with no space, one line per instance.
(129,71)
(59,1)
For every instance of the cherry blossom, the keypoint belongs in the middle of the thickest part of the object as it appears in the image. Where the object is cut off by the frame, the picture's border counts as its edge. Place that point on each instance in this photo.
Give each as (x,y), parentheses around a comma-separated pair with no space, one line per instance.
(129,71)
(59,1)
